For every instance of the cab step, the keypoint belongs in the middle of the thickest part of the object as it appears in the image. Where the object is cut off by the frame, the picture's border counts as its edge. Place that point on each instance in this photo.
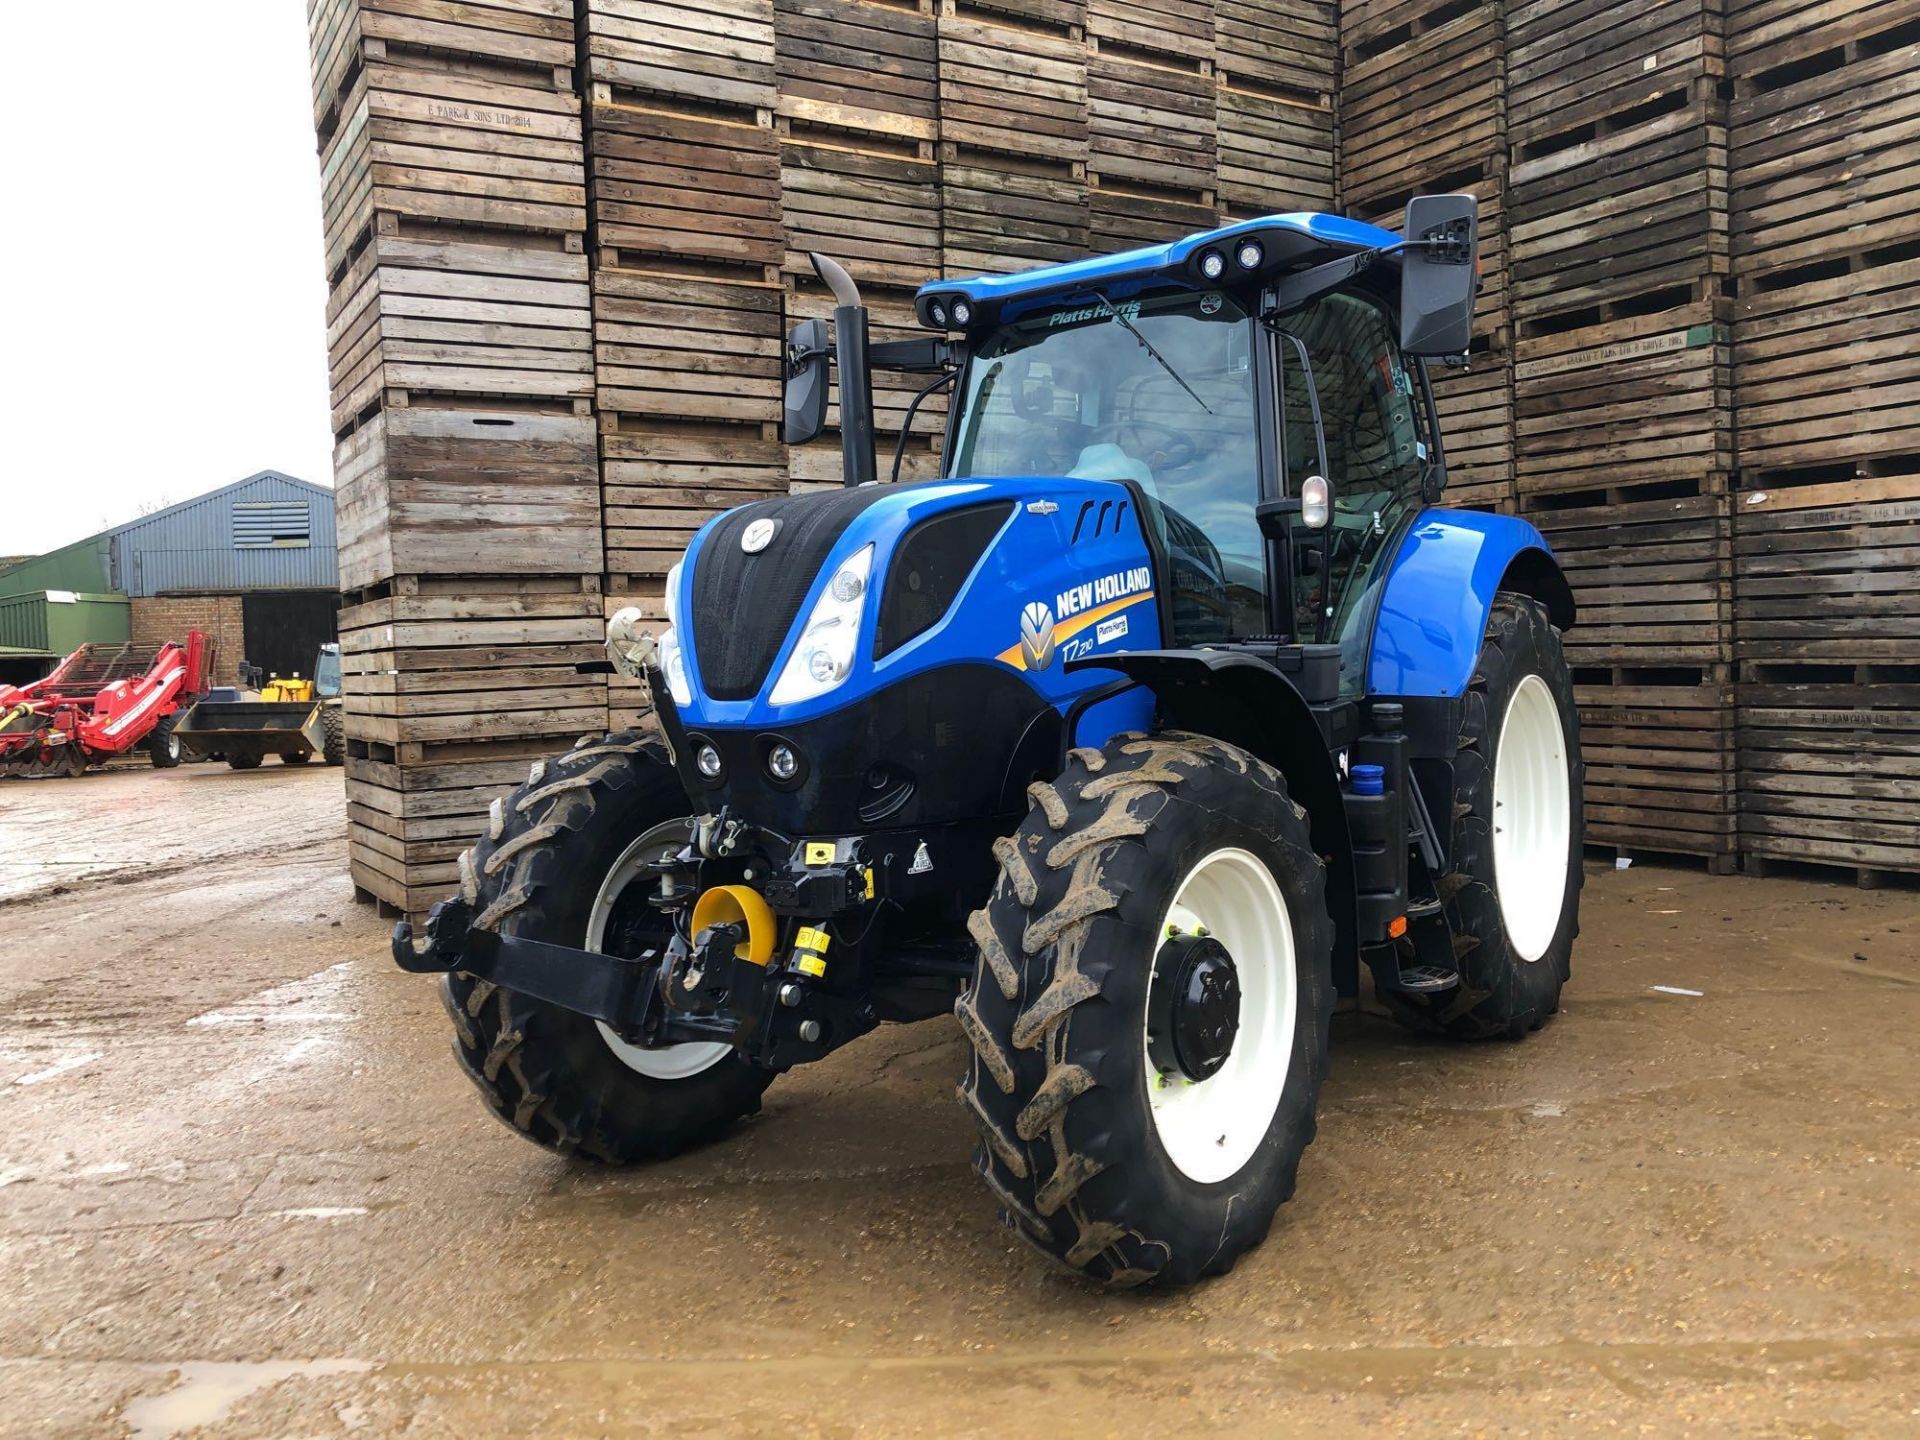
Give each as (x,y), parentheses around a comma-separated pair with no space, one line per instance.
(1427,979)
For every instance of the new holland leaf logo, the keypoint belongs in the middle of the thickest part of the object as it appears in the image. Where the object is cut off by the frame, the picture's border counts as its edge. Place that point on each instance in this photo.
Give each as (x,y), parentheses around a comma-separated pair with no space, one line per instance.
(1036,636)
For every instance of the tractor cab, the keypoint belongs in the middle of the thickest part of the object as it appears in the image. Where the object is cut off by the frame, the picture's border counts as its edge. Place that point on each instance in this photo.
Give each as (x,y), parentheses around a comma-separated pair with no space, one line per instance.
(1259,391)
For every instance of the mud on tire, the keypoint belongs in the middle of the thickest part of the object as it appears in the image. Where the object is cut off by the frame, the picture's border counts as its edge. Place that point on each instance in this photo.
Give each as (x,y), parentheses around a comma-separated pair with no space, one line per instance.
(548,1072)
(1501,994)
(1058,1080)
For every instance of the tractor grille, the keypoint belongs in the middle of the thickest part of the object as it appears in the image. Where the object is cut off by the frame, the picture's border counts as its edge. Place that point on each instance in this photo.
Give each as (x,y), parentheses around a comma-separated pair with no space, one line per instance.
(744,605)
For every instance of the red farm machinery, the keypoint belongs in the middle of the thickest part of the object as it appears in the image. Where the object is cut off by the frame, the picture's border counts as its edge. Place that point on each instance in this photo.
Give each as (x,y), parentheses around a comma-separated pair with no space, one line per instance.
(103,701)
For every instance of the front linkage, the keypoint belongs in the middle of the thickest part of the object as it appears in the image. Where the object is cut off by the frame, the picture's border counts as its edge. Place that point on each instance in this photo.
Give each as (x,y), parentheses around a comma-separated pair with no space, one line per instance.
(754,959)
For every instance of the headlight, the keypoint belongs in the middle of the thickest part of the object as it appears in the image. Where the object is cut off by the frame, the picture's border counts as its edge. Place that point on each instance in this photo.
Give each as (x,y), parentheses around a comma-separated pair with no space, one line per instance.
(823,658)
(673,664)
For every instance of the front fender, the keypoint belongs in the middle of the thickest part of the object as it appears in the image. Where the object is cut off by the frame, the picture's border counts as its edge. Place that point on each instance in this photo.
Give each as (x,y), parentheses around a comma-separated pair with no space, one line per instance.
(1439,590)
(1246,701)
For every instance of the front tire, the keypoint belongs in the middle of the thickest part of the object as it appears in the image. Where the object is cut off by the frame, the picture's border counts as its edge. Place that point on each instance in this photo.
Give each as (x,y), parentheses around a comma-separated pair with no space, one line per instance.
(1104,1160)
(333,734)
(163,746)
(565,860)
(1512,895)
(243,762)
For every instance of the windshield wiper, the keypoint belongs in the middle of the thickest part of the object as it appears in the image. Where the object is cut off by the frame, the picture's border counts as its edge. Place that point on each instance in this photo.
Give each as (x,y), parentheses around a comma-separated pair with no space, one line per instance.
(1147,345)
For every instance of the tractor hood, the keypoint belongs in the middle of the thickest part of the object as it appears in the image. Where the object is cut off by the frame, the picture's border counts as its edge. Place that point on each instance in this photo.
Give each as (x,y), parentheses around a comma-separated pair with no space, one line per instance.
(897,655)
(793,607)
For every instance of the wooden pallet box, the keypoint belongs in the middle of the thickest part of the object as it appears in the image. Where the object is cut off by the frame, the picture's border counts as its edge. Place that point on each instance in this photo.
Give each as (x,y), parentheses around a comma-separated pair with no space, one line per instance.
(1645,398)
(1573,62)
(1826,371)
(1287,48)
(425,491)
(1638,209)
(691,193)
(1652,578)
(448,318)
(427,148)
(432,665)
(1822,154)
(1013,92)
(1422,95)
(662,479)
(1276,154)
(1766,35)
(529,41)
(696,54)
(1152,129)
(997,221)
(1829,573)
(1660,773)
(858,68)
(682,348)
(1830,772)
(1161,31)
(877,213)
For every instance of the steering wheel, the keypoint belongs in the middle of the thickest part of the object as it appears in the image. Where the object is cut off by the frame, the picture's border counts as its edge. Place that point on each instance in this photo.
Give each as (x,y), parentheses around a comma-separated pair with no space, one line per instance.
(1178,450)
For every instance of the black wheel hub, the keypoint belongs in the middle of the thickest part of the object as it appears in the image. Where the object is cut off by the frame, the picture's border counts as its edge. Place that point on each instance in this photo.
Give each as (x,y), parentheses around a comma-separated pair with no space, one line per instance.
(1193,1007)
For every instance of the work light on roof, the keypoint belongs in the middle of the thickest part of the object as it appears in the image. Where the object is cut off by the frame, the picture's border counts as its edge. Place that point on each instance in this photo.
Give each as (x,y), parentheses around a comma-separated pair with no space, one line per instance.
(962,313)
(937,312)
(1249,254)
(1213,264)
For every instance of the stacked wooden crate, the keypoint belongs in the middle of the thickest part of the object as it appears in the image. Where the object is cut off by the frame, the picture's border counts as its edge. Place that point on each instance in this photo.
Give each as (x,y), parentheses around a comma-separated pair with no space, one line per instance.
(1826,389)
(1153,156)
(1423,111)
(1013,134)
(687,239)
(460,348)
(859,104)
(1623,447)
(1275,64)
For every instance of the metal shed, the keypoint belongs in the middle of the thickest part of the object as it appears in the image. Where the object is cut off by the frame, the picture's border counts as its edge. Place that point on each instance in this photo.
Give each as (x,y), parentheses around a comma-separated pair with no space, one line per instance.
(266,532)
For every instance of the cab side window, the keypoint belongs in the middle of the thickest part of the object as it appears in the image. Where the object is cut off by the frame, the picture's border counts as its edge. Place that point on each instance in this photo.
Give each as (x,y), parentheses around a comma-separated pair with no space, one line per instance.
(1376,454)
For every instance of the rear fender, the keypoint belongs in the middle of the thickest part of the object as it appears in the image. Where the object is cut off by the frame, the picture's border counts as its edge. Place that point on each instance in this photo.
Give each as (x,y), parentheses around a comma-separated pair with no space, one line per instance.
(1439,591)
(1243,700)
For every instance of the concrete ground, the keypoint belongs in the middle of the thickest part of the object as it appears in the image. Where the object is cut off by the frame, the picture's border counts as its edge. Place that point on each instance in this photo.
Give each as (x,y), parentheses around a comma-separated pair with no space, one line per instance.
(244,1191)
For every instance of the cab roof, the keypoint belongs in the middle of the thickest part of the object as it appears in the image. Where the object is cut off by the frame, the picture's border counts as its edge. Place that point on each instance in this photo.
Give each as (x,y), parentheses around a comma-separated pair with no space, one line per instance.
(1309,231)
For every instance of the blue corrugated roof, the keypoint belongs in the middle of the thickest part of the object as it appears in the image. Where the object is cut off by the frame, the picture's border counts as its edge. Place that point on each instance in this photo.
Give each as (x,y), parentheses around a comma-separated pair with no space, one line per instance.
(1335,231)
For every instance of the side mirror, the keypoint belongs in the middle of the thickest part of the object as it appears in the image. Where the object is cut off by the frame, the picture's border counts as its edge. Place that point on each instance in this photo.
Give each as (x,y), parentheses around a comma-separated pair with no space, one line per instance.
(1439,274)
(808,355)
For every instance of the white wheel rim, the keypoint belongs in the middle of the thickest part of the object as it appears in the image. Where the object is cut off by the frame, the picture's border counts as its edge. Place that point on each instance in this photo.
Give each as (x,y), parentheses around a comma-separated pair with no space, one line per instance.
(173,746)
(1532,818)
(1210,1128)
(669,1062)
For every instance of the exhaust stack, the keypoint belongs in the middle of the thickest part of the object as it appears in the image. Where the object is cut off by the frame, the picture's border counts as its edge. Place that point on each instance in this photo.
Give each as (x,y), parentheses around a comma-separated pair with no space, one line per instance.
(856,378)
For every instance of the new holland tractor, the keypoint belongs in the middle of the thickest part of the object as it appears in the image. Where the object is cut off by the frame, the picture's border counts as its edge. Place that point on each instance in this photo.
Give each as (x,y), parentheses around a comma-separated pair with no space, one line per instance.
(1129,741)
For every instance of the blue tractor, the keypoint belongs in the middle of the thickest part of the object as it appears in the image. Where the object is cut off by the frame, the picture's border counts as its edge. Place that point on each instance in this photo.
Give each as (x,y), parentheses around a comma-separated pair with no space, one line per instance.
(1128,741)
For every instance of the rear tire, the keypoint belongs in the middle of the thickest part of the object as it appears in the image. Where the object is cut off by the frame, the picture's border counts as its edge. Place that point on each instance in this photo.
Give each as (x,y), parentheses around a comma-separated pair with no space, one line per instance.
(1100,1163)
(244,762)
(554,1075)
(163,746)
(1513,894)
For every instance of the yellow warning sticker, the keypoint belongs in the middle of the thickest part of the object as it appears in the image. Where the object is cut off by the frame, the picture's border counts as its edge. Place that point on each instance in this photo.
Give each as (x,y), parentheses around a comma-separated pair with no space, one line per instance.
(820,852)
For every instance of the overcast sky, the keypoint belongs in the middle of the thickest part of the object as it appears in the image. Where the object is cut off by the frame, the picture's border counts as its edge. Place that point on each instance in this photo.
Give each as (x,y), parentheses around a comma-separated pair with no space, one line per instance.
(164,324)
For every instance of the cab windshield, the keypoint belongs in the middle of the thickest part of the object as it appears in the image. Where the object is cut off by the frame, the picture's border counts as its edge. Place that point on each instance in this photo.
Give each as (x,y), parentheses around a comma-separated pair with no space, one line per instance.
(1157,391)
